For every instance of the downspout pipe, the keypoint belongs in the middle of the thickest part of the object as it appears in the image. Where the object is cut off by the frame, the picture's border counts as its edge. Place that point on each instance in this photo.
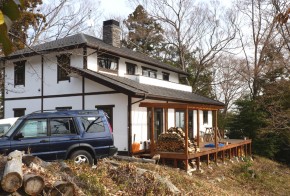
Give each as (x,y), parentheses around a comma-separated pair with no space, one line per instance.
(145,95)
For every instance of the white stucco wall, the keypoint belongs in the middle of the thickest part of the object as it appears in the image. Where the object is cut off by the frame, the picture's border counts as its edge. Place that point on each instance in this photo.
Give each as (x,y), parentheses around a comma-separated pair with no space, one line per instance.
(31,105)
(120,115)
(32,79)
(139,123)
(92,60)
(73,101)
(92,86)
(51,86)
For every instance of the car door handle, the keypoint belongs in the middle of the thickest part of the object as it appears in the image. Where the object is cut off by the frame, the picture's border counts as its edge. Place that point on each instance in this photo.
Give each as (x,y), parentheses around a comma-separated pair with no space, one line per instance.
(43,141)
(74,138)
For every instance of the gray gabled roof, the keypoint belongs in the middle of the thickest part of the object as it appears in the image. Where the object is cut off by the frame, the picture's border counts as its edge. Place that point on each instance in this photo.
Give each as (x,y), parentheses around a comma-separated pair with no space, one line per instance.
(81,40)
(134,88)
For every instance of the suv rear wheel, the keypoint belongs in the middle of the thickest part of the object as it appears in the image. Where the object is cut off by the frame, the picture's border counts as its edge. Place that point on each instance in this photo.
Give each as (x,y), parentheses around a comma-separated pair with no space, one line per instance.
(82,156)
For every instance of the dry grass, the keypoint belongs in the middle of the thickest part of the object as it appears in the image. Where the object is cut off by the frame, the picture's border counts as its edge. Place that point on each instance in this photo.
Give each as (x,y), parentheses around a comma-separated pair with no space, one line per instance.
(258,177)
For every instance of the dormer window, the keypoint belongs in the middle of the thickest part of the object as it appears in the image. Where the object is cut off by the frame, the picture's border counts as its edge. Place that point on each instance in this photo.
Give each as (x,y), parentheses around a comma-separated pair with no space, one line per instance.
(63,65)
(19,73)
(165,76)
(131,68)
(107,62)
(149,72)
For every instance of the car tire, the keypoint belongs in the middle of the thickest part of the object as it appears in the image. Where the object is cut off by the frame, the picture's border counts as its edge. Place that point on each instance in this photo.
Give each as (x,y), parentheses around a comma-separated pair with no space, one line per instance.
(82,156)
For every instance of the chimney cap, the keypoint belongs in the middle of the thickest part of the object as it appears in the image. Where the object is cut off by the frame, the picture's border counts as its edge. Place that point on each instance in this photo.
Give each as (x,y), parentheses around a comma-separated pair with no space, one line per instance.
(111,22)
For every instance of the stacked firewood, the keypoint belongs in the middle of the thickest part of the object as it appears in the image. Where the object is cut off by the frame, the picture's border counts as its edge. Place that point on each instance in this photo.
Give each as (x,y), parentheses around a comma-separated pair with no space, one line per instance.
(28,175)
(173,140)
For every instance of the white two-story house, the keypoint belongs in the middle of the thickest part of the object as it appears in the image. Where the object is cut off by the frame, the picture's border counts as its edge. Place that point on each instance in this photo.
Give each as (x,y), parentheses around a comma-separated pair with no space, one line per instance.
(84,72)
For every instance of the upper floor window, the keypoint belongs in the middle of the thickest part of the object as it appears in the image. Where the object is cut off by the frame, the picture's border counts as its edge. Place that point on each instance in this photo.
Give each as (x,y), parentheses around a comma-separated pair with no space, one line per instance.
(149,72)
(63,64)
(19,73)
(108,62)
(165,76)
(205,117)
(131,68)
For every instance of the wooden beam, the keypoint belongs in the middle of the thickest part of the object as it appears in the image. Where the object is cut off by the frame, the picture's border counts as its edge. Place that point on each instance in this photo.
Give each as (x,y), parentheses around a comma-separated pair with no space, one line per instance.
(186,133)
(166,119)
(181,106)
(198,129)
(198,163)
(152,147)
(215,129)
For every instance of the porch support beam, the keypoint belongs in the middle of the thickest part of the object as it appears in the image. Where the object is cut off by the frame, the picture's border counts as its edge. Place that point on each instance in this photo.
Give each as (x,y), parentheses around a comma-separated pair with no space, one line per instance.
(198,129)
(215,133)
(186,138)
(181,106)
(166,118)
(152,142)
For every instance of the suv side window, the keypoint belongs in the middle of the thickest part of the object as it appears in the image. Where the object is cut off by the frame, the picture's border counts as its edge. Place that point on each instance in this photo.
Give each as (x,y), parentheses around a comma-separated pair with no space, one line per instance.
(34,128)
(62,126)
(93,124)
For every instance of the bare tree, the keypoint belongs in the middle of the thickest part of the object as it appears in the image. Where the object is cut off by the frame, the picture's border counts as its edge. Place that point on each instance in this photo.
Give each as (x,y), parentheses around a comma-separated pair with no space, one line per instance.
(282,8)
(262,46)
(64,18)
(228,81)
(198,31)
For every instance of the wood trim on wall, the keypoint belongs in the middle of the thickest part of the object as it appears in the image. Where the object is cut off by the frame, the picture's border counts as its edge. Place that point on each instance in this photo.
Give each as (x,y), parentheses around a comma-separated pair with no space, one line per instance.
(42,81)
(62,95)
(129,125)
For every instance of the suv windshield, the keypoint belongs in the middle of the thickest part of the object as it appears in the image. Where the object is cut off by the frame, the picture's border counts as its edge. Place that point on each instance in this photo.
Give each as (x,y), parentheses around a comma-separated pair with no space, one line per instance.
(12,128)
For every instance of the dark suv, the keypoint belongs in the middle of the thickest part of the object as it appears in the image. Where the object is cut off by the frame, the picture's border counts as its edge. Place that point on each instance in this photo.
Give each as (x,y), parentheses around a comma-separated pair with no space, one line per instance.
(80,135)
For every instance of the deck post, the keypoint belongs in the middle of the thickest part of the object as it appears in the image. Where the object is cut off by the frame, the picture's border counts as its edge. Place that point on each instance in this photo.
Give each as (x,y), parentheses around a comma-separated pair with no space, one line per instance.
(198,163)
(198,129)
(186,138)
(152,147)
(166,119)
(215,134)
(215,129)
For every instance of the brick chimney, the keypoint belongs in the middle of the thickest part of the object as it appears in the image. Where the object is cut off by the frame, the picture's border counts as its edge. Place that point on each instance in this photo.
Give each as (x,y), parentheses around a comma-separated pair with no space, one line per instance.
(112,32)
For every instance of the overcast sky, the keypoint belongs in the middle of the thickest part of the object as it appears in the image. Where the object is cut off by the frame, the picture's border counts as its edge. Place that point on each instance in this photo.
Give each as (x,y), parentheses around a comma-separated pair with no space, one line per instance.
(116,8)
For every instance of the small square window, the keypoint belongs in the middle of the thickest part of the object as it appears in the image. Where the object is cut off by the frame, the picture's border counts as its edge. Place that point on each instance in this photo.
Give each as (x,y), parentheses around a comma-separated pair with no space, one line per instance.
(131,68)
(149,72)
(19,112)
(19,73)
(107,62)
(63,65)
(165,76)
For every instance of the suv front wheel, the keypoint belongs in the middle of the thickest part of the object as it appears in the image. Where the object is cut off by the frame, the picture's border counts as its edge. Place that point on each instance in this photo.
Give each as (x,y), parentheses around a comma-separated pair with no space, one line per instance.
(82,156)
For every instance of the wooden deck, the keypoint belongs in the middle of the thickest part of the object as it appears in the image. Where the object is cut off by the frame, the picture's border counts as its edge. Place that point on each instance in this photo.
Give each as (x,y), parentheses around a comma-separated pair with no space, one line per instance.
(231,148)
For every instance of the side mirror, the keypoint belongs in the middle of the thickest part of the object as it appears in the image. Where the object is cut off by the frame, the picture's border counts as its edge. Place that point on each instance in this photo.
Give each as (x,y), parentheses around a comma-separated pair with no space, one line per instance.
(18,136)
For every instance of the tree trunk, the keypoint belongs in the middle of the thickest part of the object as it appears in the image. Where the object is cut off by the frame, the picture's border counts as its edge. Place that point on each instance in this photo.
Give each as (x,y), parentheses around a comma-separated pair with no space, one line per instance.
(62,189)
(13,175)
(33,184)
